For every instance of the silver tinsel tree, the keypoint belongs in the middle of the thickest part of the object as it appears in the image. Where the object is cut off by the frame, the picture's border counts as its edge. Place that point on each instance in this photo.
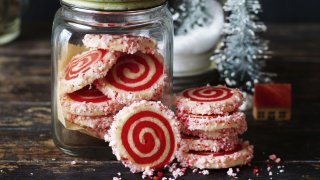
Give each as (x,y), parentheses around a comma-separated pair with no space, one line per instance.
(240,59)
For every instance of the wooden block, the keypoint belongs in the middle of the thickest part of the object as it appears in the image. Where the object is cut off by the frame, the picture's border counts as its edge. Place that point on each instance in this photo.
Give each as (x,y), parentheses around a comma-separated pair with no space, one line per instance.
(272,102)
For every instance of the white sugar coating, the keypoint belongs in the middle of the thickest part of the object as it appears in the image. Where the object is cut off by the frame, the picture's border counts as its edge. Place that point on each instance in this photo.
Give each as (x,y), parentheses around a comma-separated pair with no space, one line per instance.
(210,161)
(123,43)
(89,108)
(216,134)
(93,122)
(120,119)
(127,97)
(216,145)
(96,126)
(189,106)
(214,122)
(86,74)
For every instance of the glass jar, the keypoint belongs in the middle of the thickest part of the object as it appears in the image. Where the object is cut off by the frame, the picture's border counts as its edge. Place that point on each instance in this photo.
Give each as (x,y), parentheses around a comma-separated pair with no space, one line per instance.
(106,55)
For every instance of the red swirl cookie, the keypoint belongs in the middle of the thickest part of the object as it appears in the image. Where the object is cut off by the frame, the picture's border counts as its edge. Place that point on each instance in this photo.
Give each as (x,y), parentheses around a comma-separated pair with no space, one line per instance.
(209,160)
(97,125)
(124,43)
(212,122)
(134,77)
(85,68)
(209,100)
(89,101)
(191,143)
(144,136)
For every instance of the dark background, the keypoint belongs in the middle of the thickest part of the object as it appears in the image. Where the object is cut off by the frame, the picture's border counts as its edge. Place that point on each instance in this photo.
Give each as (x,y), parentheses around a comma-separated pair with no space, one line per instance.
(276,11)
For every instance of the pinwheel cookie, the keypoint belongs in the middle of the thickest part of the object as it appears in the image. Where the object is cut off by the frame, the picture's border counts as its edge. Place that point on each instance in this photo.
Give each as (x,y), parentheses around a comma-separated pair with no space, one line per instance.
(144,136)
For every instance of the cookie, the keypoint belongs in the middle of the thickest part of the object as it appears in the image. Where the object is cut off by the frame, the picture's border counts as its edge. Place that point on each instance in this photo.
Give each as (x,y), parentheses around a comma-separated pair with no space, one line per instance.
(191,143)
(212,122)
(85,68)
(89,101)
(216,134)
(210,160)
(134,77)
(144,136)
(209,100)
(123,43)
(98,125)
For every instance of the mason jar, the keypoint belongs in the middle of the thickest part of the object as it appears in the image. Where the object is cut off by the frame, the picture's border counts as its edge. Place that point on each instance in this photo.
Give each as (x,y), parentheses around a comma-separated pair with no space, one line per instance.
(106,55)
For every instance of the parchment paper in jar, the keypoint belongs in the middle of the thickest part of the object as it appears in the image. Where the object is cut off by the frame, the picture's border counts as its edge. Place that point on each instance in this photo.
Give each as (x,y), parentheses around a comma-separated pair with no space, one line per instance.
(68,52)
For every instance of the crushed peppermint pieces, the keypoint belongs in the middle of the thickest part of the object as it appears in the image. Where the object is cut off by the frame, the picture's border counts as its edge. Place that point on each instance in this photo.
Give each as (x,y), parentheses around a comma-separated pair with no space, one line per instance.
(73,162)
(148,173)
(277,160)
(117,178)
(195,170)
(272,157)
(178,172)
(231,173)
(255,171)
(204,172)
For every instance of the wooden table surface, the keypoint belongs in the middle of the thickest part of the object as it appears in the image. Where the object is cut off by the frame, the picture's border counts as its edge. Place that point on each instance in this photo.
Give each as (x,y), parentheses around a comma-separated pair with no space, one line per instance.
(28,152)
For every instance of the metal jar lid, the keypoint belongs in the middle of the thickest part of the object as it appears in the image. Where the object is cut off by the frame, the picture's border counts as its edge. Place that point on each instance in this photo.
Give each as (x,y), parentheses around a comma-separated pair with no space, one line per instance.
(114,5)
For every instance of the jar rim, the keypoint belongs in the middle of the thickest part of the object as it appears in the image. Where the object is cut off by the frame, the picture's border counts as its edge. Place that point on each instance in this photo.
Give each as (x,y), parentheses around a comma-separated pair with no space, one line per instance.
(114,5)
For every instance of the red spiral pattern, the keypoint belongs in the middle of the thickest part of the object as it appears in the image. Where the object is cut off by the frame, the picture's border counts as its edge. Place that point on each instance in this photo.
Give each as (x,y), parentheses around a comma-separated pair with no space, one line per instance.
(135,72)
(208,94)
(88,94)
(81,64)
(149,139)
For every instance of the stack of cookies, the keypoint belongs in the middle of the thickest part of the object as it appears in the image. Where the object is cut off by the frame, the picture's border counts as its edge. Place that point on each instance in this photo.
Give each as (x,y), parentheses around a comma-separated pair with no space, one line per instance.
(210,125)
(112,72)
(109,91)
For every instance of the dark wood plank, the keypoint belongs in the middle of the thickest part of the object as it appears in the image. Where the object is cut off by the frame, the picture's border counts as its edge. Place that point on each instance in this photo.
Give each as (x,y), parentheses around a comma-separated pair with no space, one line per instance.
(85,169)
(25,78)
(294,40)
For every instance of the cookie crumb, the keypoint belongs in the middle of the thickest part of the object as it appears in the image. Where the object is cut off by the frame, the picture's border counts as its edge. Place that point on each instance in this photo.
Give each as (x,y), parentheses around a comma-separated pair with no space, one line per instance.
(204,172)
(148,173)
(272,157)
(255,171)
(178,172)
(231,173)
